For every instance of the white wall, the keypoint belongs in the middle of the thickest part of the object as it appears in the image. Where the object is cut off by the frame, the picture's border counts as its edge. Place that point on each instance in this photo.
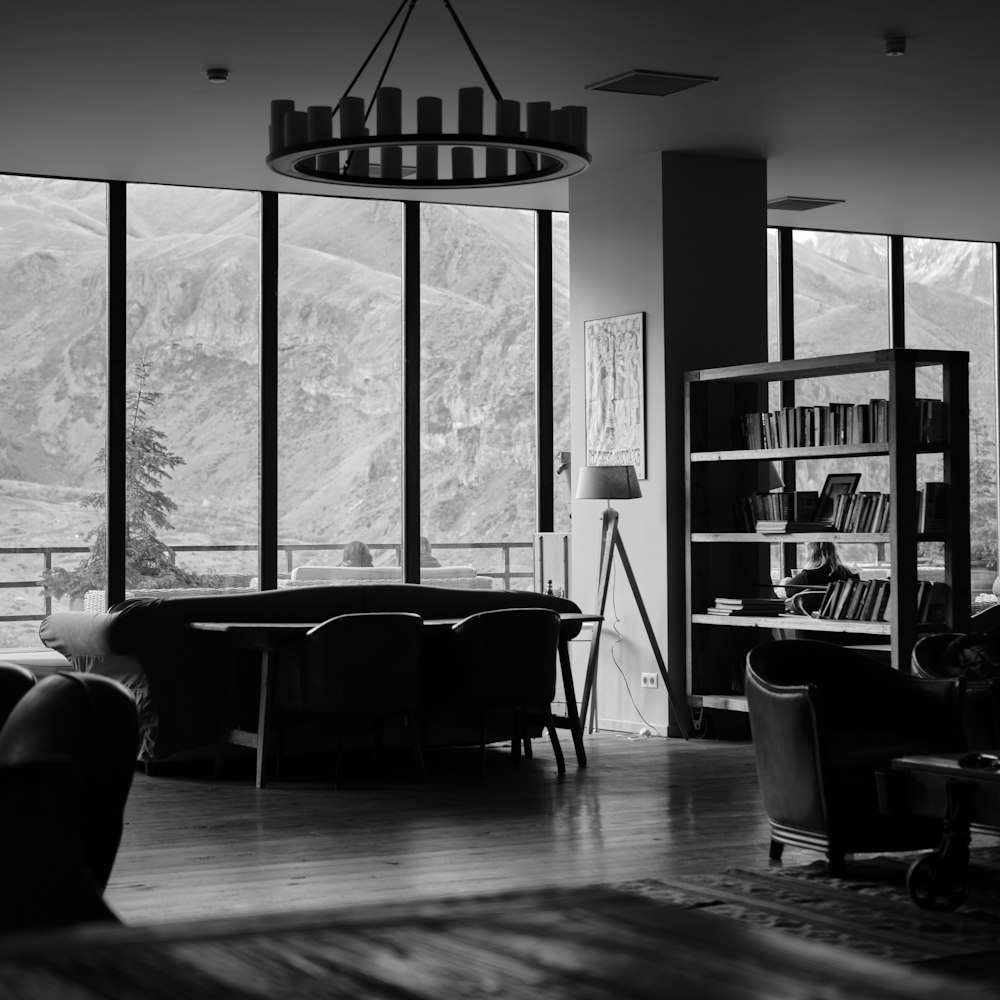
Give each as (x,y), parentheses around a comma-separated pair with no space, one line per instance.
(616,267)
(682,239)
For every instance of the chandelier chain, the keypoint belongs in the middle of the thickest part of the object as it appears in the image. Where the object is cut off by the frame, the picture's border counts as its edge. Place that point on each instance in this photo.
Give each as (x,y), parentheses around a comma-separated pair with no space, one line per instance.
(472,49)
(375,48)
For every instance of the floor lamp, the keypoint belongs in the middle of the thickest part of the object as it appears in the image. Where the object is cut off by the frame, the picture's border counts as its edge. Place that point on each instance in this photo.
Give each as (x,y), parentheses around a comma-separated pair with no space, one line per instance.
(618,482)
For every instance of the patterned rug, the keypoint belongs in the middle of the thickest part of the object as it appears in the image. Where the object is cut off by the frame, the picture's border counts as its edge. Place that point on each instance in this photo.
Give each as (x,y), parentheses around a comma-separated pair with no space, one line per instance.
(869,911)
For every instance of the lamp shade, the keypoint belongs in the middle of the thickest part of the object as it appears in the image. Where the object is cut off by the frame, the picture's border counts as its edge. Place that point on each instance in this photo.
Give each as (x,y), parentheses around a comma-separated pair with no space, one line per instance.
(608,482)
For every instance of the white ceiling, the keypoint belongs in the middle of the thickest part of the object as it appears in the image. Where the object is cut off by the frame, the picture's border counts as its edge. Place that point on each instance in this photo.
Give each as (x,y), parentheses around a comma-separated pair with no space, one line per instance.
(116,89)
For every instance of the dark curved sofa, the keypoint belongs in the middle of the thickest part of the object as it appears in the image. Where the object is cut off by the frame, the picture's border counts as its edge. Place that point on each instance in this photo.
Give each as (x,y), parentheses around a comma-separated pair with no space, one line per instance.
(180,677)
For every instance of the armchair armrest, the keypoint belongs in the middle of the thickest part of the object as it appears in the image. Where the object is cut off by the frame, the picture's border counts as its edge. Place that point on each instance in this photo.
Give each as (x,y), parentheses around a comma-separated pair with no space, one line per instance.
(786,748)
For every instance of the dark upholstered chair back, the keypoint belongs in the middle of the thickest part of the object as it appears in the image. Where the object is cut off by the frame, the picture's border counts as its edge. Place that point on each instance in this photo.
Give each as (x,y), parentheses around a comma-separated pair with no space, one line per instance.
(511,656)
(507,661)
(357,664)
(850,690)
(90,722)
(358,667)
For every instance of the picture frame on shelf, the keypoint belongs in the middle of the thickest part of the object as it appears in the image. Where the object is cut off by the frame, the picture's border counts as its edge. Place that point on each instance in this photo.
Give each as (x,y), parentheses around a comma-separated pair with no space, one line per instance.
(837,483)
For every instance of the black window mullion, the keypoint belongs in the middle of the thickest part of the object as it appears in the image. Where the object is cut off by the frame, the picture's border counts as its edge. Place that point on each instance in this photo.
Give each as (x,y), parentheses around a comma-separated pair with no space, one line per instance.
(786,350)
(996,368)
(410,430)
(544,392)
(115,444)
(897,297)
(267,479)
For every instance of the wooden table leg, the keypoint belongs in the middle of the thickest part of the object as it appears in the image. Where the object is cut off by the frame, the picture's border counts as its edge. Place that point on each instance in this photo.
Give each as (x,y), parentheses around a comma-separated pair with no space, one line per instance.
(937,881)
(263,715)
(588,707)
(569,690)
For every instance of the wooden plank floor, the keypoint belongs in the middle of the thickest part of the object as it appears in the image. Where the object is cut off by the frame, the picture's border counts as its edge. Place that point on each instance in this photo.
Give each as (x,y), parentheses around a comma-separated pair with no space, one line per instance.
(196,847)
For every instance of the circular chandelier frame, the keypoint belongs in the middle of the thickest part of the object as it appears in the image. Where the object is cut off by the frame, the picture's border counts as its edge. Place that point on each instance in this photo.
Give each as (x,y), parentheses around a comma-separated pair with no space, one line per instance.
(303,146)
(554,161)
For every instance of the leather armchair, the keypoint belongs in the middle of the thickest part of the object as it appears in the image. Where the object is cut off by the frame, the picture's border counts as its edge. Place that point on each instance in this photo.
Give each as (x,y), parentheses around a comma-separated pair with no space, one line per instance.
(824,720)
(15,682)
(67,755)
(981,705)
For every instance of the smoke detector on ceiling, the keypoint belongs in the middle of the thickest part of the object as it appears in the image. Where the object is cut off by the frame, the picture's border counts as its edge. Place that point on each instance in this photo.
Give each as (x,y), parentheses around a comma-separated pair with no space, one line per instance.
(650,82)
(795,203)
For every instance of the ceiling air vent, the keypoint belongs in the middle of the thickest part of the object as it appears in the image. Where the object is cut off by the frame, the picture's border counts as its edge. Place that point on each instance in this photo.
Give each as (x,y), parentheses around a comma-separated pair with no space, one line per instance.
(793,203)
(651,82)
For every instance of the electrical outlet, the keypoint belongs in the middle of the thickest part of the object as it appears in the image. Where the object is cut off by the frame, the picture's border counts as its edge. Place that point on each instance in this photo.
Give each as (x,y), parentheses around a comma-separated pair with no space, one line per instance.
(650,681)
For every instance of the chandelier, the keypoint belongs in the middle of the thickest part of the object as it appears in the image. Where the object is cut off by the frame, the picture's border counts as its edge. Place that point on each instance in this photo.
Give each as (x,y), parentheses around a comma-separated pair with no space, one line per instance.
(547,145)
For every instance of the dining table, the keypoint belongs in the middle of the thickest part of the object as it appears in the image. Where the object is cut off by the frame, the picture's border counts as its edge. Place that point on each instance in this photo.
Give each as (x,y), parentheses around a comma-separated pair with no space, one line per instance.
(268,639)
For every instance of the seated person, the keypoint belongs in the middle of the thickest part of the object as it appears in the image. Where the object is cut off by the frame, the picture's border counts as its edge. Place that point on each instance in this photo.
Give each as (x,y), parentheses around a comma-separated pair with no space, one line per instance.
(823,565)
(427,558)
(356,554)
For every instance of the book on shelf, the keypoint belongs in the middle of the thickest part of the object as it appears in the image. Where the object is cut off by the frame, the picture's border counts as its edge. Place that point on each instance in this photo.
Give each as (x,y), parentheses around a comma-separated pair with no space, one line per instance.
(868,601)
(863,512)
(833,423)
(854,600)
(932,509)
(776,505)
(790,527)
(747,606)
(932,602)
(930,421)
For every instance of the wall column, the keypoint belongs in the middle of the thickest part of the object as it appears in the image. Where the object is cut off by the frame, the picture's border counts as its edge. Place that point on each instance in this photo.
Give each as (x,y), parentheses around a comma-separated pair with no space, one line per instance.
(681,238)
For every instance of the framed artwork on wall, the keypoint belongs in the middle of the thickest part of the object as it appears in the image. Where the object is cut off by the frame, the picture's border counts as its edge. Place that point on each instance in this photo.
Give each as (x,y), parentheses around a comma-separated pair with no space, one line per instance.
(615,388)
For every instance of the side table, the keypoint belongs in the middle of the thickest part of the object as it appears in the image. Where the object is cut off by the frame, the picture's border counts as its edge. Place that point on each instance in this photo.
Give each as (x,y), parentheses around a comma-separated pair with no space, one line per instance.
(965,797)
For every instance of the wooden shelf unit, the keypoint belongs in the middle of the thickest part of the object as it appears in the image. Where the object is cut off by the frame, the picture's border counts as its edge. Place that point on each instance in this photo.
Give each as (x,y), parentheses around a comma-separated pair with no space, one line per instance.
(724,562)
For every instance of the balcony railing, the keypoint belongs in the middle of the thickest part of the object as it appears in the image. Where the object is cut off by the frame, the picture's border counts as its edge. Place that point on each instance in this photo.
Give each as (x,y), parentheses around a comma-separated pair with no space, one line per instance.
(504,573)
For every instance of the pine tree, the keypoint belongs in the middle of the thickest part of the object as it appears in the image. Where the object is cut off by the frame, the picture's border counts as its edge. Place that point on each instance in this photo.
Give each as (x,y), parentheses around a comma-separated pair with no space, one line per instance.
(148,461)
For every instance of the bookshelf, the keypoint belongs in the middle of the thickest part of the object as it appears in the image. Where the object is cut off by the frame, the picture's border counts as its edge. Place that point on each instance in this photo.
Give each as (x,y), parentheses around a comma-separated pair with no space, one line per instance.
(724,560)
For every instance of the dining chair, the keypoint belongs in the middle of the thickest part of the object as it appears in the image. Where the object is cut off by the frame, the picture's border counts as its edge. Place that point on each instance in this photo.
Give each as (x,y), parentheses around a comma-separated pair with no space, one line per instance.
(509,659)
(357,667)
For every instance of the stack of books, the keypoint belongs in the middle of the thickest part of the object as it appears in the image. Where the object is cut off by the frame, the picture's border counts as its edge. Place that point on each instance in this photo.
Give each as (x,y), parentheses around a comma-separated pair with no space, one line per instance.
(747,606)
(790,527)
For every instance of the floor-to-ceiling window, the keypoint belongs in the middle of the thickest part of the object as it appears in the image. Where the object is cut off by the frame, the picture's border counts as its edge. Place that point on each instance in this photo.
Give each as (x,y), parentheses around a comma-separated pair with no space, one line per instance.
(840,284)
(339,382)
(187,463)
(53,375)
(564,484)
(950,306)
(477,365)
(842,304)
(193,373)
